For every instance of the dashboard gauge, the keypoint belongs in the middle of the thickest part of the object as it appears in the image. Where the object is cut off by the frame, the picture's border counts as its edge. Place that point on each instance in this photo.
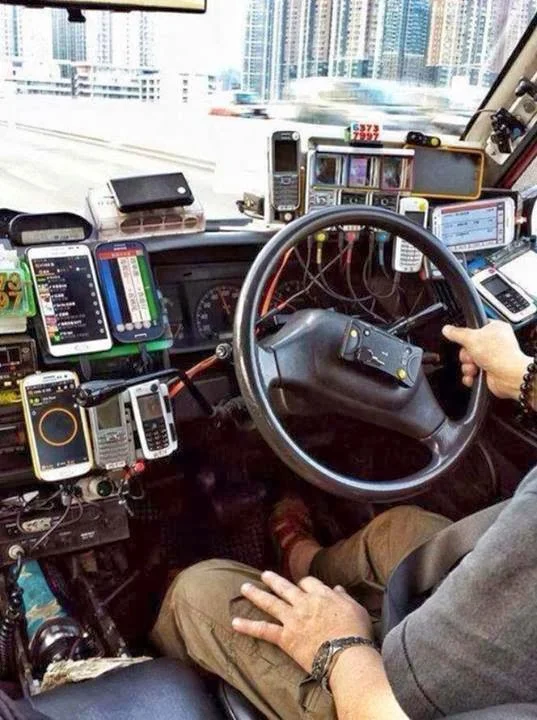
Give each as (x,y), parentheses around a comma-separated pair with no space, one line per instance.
(215,311)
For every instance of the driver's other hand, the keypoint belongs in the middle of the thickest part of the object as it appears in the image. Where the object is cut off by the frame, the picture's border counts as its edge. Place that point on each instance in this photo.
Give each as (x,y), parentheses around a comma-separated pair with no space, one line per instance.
(495,349)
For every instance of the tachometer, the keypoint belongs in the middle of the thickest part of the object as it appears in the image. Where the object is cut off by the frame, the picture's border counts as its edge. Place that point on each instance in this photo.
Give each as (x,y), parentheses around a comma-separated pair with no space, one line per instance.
(215,311)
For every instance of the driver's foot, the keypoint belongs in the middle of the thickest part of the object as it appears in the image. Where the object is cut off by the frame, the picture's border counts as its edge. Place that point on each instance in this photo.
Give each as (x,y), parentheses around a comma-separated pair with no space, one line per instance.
(291,527)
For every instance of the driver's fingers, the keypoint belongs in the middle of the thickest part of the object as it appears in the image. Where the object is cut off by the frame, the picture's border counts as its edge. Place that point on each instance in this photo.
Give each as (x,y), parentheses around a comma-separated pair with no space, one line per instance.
(469,369)
(468,381)
(265,601)
(312,585)
(282,587)
(258,629)
(465,357)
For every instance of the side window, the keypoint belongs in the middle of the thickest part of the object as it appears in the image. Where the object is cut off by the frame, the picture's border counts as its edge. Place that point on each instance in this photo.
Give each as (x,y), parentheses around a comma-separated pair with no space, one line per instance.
(528,178)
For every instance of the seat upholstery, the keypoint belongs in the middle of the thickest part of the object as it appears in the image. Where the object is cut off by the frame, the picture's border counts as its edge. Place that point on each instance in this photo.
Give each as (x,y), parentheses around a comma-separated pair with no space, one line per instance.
(163,689)
(237,707)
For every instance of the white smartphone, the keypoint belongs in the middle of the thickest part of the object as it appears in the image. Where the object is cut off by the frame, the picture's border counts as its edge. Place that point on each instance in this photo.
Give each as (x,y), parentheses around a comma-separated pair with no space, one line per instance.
(503,295)
(56,426)
(407,258)
(69,300)
(476,226)
(154,419)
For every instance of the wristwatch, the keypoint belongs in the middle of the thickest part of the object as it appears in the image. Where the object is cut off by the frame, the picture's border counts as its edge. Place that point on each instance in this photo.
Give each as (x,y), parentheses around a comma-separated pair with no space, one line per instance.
(324,657)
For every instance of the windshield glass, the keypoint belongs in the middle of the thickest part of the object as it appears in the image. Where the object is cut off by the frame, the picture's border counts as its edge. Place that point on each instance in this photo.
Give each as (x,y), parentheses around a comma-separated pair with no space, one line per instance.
(135,93)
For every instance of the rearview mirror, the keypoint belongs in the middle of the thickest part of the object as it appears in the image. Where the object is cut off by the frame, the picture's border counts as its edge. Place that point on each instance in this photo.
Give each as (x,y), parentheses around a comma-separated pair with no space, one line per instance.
(177,6)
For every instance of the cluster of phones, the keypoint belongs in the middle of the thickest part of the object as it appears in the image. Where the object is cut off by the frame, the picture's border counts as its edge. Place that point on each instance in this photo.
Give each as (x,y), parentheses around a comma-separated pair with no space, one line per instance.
(61,444)
(68,286)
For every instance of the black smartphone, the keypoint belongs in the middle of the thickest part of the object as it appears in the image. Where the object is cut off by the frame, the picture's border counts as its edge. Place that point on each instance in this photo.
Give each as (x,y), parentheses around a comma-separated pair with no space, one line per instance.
(129,291)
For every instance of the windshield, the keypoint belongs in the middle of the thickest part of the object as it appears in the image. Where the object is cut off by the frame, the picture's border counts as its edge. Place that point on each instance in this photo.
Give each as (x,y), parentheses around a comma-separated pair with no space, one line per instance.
(135,93)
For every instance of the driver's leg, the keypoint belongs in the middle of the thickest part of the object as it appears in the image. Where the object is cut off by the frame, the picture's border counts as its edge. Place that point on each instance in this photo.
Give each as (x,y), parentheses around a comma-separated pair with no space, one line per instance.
(194,624)
(368,557)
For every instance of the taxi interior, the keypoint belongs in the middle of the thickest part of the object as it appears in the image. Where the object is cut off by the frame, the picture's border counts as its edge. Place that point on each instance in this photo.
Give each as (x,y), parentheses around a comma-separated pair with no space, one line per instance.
(297,351)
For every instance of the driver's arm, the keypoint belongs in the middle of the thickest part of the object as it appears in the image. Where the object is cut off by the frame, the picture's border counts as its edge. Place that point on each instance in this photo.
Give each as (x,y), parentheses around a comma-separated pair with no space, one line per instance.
(495,349)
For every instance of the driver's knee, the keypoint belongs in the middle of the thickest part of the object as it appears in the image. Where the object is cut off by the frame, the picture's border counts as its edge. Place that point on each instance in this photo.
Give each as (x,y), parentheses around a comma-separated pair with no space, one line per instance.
(196,610)
(395,533)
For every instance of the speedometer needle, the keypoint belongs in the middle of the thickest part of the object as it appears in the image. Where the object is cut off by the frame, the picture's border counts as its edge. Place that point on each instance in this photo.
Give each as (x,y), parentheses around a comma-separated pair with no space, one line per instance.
(224,303)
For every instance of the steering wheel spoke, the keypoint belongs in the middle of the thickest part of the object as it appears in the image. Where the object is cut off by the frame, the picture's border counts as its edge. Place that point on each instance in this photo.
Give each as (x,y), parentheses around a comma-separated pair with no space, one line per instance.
(422,416)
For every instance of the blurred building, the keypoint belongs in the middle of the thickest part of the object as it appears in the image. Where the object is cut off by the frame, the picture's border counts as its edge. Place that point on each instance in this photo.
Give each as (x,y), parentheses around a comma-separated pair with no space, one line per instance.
(99,37)
(402,49)
(472,39)
(354,37)
(315,34)
(68,38)
(258,48)
(286,45)
(10,31)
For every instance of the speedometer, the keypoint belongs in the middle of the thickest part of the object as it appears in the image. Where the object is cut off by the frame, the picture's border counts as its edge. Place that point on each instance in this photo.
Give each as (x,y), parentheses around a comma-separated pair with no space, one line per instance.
(215,311)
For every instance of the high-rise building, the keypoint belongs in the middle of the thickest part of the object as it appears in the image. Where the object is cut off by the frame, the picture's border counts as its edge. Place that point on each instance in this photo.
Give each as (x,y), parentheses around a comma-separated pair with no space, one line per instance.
(315,34)
(354,38)
(518,19)
(403,41)
(99,37)
(68,38)
(287,15)
(36,34)
(258,48)
(10,31)
(471,39)
(133,40)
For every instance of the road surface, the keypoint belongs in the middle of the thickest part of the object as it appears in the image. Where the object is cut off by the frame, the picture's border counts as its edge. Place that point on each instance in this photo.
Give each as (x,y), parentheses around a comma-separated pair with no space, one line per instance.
(41,173)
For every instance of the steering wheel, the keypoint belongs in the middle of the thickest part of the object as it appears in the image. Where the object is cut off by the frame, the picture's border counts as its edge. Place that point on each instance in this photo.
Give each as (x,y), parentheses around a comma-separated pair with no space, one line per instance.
(304,357)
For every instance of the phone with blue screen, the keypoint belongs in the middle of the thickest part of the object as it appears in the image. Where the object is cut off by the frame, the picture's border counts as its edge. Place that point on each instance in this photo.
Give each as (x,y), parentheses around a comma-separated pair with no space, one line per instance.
(130,296)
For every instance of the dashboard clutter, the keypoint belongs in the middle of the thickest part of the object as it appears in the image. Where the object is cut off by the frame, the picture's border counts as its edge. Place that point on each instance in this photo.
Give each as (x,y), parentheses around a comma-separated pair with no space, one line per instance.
(343,175)
(56,426)
(16,296)
(112,224)
(448,172)
(70,304)
(130,296)
(151,192)
(47,228)
(475,226)
(420,139)
(363,133)
(522,271)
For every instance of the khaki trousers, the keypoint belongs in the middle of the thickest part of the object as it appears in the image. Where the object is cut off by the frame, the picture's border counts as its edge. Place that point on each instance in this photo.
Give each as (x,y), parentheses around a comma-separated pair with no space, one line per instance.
(194,623)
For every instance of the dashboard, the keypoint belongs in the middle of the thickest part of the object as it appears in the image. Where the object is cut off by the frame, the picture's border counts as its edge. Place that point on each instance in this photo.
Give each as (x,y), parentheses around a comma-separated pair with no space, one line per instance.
(170,299)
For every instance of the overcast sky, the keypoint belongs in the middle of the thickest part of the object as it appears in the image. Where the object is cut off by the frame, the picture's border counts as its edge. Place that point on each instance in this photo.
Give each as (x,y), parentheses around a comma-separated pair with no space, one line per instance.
(204,43)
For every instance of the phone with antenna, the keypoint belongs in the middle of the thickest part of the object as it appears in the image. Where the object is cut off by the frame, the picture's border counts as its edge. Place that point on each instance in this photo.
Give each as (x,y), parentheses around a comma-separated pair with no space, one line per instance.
(406,257)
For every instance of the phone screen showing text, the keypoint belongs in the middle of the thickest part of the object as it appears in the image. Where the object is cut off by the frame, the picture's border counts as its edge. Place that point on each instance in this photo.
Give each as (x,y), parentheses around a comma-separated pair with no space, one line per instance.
(130,297)
(68,299)
(57,425)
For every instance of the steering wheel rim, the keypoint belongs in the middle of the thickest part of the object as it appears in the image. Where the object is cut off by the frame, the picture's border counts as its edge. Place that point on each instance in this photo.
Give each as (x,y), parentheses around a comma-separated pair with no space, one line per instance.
(254,365)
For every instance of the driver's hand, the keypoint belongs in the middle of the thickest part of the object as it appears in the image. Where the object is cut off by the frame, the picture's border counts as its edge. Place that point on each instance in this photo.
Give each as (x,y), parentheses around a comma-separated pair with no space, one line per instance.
(305,616)
(494,349)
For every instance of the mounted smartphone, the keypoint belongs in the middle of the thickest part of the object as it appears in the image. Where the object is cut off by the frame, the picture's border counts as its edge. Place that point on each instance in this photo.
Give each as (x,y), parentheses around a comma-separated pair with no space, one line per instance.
(56,426)
(129,291)
(69,300)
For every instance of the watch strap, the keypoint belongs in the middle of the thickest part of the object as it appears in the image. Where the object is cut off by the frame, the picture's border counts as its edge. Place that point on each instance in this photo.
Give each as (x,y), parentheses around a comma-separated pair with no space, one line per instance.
(324,657)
